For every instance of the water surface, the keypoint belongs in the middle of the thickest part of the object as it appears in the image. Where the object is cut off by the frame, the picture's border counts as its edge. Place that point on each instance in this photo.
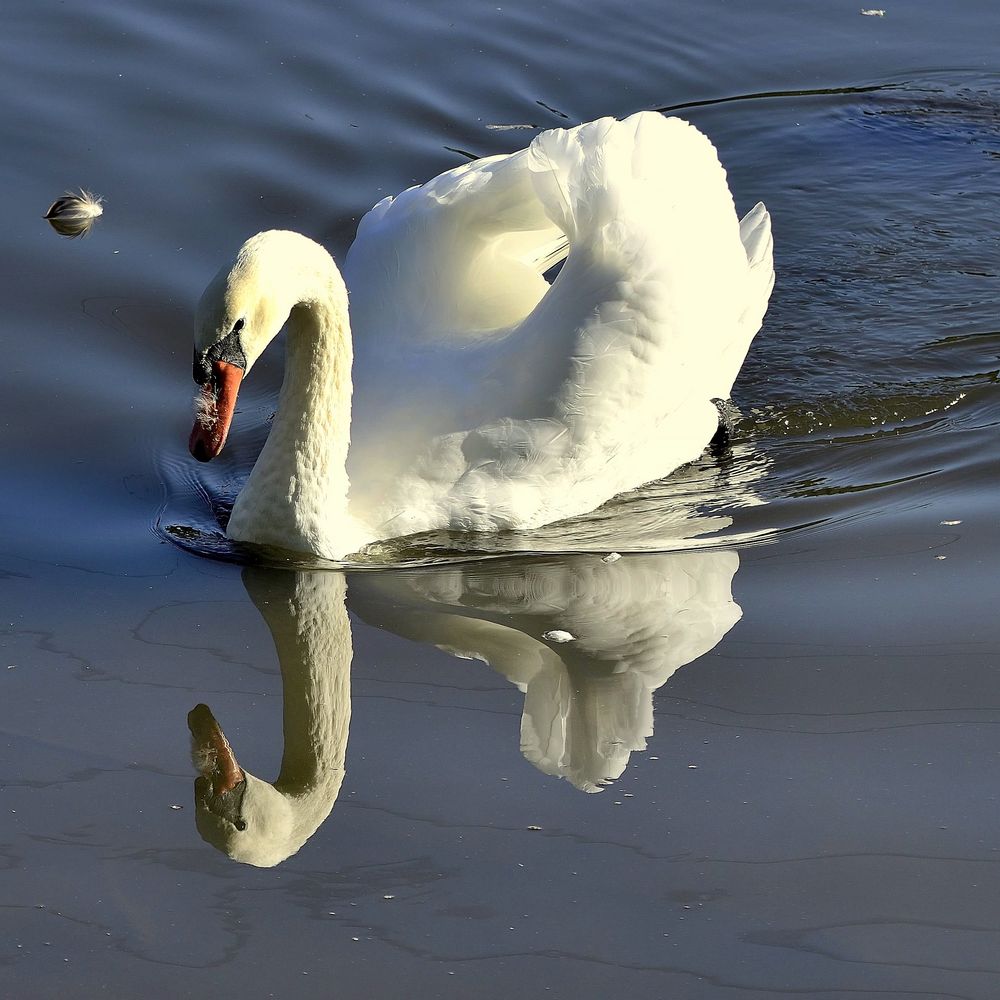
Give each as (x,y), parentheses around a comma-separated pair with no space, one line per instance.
(763,764)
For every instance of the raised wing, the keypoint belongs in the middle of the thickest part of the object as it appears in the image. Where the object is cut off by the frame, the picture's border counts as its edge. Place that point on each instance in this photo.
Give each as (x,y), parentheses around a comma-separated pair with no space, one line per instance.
(510,403)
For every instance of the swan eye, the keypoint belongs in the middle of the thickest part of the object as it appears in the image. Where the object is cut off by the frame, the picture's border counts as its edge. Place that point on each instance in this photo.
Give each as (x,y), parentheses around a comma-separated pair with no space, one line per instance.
(240,824)
(238,325)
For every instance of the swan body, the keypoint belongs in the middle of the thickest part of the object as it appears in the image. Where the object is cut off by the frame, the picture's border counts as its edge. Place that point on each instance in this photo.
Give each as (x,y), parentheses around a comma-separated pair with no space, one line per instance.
(465,391)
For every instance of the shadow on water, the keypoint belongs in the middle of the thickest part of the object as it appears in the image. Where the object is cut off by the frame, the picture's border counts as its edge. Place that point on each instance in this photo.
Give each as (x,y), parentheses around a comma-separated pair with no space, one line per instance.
(587,640)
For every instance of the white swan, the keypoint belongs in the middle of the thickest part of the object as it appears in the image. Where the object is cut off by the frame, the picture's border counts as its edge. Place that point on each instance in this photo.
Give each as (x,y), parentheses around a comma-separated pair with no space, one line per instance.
(484,398)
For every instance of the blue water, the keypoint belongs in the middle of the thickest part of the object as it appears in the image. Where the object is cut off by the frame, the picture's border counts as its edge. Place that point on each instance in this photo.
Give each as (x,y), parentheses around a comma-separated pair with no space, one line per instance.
(786,686)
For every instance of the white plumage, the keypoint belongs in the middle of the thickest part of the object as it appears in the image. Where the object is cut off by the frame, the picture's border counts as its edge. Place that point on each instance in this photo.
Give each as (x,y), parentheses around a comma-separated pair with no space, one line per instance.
(485,398)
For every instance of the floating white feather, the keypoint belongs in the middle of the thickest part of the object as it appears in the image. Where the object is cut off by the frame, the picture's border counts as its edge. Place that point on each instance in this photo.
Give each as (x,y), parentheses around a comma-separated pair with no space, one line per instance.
(74,213)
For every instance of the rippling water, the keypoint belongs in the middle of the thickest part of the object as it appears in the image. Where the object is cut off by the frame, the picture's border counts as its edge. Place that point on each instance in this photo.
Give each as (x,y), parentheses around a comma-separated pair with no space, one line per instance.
(783,692)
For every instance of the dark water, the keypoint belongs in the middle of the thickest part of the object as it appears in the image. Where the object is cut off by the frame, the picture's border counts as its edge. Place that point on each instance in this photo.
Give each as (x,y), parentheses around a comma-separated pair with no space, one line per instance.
(785,694)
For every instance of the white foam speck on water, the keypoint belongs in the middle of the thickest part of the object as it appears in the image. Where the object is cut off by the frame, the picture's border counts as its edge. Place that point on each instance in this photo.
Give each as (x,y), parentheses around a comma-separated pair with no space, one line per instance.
(558,635)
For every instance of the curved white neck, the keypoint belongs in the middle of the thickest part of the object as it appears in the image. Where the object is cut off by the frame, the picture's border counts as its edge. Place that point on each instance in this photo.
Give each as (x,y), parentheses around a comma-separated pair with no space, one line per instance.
(296,496)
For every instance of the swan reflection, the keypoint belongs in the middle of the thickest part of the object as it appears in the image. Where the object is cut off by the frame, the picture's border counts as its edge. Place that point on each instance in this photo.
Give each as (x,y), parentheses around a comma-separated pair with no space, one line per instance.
(587,639)
(247,818)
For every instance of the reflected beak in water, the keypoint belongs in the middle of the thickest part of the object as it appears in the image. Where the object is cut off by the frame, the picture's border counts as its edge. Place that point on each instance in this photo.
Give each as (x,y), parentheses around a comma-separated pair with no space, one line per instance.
(222,781)
(214,408)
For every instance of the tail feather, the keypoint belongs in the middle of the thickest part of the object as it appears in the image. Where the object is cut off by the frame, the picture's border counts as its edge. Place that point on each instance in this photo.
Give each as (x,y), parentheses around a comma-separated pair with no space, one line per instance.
(755,233)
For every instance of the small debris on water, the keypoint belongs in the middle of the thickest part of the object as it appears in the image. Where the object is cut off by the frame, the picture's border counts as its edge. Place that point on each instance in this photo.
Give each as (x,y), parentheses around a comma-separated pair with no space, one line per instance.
(940,557)
(872,12)
(558,635)
(612,557)
(176,807)
(533,828)
(949,523)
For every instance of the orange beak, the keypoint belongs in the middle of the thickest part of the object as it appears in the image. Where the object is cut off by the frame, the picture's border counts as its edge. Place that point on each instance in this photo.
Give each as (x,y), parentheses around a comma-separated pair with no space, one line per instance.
(215,411)
(213,750)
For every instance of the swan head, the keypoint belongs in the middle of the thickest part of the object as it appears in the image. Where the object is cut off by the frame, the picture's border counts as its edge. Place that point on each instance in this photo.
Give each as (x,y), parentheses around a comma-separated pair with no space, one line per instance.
(235,811)
(241,311)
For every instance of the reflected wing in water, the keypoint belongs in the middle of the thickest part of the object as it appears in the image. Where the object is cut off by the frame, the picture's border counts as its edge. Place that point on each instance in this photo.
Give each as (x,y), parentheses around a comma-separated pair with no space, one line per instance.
(587,640)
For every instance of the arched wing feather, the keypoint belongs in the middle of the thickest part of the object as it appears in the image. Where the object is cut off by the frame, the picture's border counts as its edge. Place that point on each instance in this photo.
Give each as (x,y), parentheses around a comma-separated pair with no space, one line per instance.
(513,403)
